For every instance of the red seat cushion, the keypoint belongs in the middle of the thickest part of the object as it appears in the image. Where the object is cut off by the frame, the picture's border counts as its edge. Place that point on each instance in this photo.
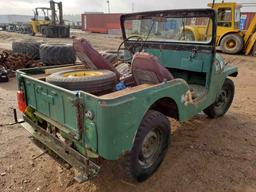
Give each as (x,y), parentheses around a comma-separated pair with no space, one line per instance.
(147,69)
(90,57)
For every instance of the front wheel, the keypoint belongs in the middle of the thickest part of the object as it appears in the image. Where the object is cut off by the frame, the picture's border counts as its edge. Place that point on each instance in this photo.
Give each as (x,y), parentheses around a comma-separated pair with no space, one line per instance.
(231,44)
(223,101)
(150,146)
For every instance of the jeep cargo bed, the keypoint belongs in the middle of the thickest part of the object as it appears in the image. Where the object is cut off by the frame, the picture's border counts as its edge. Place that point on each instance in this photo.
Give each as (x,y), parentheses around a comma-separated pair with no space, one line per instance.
(67,110)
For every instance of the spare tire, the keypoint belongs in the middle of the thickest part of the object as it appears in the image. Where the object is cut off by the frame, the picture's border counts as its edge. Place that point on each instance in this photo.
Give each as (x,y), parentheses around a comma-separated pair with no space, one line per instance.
(92,81)
(29,48)
(57,54)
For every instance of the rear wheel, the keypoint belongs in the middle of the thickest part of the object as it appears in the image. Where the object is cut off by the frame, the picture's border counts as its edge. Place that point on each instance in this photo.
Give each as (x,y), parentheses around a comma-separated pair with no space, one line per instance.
(223,101)
(231,43)
(150,146)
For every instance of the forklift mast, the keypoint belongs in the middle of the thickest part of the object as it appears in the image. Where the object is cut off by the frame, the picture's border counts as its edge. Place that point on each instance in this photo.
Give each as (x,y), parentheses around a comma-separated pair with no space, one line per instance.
(56,19)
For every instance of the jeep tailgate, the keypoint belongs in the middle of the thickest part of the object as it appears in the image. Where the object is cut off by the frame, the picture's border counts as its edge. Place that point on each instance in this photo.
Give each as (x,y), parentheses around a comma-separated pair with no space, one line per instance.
(54,104)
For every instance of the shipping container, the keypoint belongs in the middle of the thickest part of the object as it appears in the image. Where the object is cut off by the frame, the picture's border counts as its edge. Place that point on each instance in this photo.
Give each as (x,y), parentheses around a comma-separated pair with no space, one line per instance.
(110,23)
(248,16)
(101,22)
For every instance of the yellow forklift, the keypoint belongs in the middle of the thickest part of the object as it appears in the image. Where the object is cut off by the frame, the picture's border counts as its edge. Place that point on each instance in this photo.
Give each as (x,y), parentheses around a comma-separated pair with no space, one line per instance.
(51,25)
(230,38)
(37,22)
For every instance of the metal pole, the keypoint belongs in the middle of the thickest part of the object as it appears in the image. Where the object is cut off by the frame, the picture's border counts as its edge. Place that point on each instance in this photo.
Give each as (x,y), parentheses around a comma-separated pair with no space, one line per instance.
(60,13)
(108,6)
(208,24)
(52,6)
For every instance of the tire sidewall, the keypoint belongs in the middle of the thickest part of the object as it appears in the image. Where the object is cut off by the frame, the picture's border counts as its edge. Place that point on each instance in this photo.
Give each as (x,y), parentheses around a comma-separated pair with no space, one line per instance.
(57,54)
(28,48)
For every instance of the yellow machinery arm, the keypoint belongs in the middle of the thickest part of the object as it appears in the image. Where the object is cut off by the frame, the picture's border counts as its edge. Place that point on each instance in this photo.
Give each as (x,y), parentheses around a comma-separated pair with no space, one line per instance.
(250,37)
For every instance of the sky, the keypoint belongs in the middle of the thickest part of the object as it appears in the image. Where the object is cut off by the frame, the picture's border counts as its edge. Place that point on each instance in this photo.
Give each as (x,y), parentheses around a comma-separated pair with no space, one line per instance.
(25,7)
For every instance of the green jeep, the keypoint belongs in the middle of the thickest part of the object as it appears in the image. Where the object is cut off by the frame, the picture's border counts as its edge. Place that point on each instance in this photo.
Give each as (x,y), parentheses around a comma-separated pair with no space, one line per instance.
(176,77)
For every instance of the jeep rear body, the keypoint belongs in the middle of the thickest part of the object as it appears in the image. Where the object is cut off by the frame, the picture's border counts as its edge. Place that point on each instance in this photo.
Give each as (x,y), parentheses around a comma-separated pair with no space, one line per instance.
(106,125)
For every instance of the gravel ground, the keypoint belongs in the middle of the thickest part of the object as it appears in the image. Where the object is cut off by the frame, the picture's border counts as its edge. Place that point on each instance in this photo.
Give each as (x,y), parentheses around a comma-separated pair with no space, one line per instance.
(205,154)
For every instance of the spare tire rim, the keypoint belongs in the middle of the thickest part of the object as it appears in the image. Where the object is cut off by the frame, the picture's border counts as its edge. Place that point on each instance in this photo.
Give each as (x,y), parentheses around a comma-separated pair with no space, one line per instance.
(82,74)
(150,148)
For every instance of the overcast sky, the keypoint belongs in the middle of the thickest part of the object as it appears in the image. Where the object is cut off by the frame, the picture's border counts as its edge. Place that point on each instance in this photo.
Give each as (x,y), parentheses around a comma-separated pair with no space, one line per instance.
(79,6)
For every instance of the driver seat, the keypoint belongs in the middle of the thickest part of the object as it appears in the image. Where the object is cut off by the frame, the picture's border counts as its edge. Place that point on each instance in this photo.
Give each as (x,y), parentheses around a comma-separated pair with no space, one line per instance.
(147,69)
(90,57)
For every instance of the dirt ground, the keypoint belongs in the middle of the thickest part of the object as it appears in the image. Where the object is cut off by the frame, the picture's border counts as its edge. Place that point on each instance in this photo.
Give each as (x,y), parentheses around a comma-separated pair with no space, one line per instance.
(205,155)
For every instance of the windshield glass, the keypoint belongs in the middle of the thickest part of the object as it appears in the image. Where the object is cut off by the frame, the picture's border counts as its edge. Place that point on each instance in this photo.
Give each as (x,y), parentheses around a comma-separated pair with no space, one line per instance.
(193,29)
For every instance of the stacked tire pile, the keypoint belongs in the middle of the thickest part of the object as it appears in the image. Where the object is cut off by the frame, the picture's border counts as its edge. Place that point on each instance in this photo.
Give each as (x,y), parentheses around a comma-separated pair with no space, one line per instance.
(49,54)
(92,81)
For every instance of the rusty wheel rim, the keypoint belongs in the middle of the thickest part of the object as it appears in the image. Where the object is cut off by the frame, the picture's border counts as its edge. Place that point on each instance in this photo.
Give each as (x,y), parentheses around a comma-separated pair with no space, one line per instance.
(150,148)
(231,44)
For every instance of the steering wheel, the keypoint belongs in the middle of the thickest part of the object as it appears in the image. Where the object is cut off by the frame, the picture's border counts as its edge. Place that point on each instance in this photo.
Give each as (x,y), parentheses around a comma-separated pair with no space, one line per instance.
(131,47)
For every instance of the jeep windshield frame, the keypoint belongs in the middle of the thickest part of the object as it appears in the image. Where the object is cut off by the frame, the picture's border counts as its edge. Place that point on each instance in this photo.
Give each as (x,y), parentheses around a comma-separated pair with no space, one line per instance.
(179,13)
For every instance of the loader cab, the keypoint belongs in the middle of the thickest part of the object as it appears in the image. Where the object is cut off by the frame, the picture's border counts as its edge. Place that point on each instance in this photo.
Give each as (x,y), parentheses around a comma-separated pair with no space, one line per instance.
(164,36)
(41,17)
(41,13)
(228,17)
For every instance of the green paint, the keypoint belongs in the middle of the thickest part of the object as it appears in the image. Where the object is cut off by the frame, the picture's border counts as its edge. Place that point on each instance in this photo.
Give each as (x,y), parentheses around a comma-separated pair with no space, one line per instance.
(113,127)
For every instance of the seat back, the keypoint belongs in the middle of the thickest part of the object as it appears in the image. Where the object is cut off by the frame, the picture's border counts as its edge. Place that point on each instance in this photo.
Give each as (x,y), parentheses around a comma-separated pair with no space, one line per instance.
(147,69)
(90,57)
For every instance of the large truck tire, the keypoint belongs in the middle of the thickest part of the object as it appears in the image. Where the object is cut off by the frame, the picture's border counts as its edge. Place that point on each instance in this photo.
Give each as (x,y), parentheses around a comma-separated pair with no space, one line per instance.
(232,43)
(29,48)
(56,31)
(63,32)
(91,81)
(57,54)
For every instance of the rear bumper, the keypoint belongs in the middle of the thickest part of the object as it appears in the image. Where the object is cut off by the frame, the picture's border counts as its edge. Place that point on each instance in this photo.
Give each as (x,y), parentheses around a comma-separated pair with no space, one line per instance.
(87,168)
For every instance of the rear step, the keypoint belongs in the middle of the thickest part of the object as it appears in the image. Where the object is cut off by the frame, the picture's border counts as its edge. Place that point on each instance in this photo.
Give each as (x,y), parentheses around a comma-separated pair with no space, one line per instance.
(87,168)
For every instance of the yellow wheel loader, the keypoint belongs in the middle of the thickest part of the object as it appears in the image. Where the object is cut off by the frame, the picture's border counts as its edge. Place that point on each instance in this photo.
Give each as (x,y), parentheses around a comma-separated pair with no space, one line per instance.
(229,37)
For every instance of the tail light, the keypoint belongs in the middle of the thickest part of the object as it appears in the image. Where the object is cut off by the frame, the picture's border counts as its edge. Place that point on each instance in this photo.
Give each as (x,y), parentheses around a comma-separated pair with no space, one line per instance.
(21,101)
